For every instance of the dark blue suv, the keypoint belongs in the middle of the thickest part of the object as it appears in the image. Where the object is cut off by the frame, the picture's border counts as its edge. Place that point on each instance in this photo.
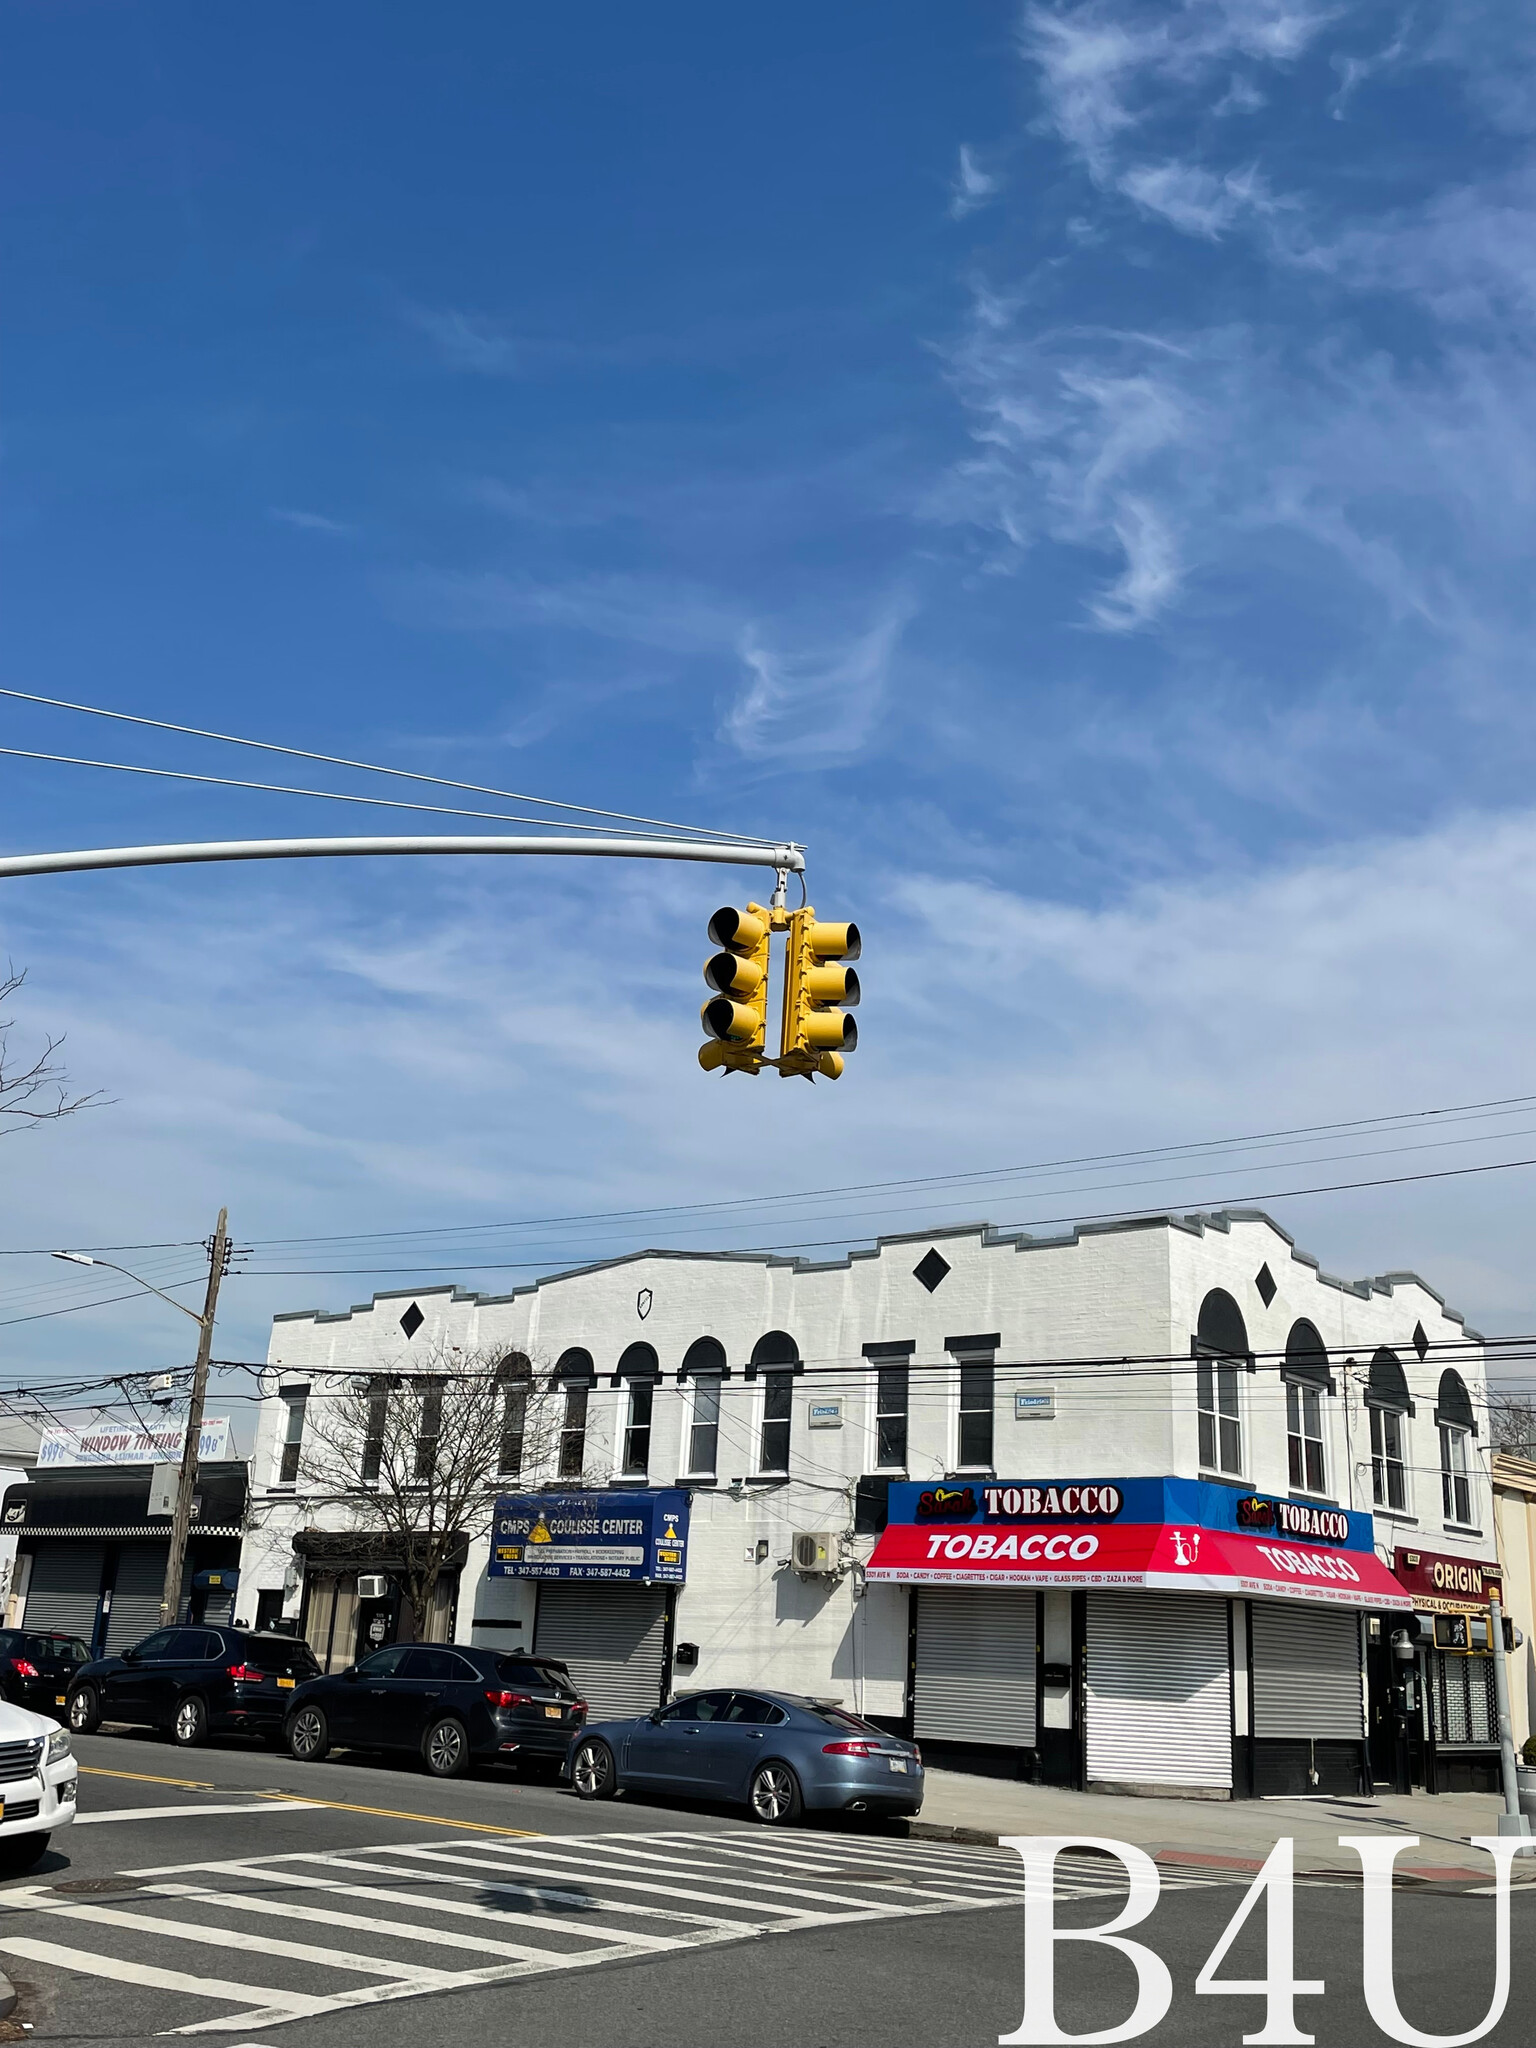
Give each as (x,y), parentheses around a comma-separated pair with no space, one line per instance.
(193,1681)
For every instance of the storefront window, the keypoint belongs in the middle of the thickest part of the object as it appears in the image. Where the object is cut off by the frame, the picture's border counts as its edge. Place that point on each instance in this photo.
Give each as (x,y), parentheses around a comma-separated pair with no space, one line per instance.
(1455,1481)
(976,1406)
(1389,1468)
(1221,1432)
(1304,1438)
(1463,1702)
(891,1397)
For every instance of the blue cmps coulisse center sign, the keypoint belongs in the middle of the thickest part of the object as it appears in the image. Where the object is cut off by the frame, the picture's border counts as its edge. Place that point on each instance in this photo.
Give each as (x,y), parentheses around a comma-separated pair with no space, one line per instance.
(641,1536)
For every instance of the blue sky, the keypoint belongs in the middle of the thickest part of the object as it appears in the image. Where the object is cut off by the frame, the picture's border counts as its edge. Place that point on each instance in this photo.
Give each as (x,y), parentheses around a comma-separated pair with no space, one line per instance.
(1071,467)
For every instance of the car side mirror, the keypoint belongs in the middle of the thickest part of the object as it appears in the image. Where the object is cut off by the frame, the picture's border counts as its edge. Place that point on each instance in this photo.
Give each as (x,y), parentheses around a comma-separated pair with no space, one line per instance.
(350,1672)
(130,1656)
(654,1717)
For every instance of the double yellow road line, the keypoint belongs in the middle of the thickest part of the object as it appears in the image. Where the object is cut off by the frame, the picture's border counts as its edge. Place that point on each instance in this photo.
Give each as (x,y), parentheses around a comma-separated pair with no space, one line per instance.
(426,1820)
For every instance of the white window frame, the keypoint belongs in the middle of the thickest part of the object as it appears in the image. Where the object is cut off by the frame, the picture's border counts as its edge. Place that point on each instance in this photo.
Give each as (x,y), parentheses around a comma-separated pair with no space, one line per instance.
(760,1421)
(1210,1362)
(965,1362)
(1300,1396)
(1381,1462)
(715,1381)
(1456,1464)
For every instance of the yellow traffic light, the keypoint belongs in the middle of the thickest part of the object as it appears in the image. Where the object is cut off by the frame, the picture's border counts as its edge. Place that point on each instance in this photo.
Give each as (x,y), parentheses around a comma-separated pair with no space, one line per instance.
(817,980)
(736,1015)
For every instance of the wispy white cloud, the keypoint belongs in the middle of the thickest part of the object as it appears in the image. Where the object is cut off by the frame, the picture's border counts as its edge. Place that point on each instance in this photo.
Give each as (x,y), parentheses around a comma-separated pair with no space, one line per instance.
(972,186)
(1195,200)
(309,522)
(825,697)
(468,341)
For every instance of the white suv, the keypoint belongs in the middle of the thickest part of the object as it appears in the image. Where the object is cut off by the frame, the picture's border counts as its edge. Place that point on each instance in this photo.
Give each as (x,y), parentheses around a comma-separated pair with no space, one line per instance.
(38,1776)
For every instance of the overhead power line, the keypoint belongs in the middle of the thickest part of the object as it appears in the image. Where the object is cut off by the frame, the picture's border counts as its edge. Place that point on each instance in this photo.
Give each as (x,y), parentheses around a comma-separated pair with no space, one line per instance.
(365,767)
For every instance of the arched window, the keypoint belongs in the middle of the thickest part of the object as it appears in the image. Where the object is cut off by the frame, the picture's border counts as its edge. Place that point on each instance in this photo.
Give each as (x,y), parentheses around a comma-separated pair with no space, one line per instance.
(704,1363)
(1307,1381)
(1388,1405)
(704,1355)
(777,1357)
(574,1372)
(1221,1351)
(1457,1425)
(515,1376)
(639,1365)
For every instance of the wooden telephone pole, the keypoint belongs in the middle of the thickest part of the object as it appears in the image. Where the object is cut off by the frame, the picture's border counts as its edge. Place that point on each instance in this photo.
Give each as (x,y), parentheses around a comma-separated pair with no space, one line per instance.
(181,1521)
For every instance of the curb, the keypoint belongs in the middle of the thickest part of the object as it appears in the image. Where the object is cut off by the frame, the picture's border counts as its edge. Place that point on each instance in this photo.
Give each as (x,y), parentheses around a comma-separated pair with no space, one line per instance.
(7,1996)
(939,1831)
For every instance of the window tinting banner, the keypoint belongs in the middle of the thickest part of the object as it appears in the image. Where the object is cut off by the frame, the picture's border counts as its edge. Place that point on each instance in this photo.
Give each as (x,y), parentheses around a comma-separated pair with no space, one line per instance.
(636,1535)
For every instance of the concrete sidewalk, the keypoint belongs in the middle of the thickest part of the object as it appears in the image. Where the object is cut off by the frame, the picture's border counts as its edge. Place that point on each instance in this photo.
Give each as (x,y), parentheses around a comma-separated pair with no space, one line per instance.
(1228,1834)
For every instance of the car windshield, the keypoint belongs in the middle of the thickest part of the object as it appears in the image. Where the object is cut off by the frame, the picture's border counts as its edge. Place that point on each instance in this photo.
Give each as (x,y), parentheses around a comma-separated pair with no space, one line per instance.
(278,1653)
(521,1671)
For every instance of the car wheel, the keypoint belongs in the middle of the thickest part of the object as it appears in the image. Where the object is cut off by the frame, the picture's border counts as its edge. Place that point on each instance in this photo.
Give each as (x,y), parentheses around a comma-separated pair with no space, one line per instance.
(593,1771)
(20,1853)
(190,1727)
(308,1736)
(84,1710)
(445,1748)
(775,1795)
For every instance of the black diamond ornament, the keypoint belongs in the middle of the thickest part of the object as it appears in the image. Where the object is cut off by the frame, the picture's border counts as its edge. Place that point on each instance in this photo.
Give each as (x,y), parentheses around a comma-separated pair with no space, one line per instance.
(1264,1280)
(931,1268)
(412,1320)
(1420,1341)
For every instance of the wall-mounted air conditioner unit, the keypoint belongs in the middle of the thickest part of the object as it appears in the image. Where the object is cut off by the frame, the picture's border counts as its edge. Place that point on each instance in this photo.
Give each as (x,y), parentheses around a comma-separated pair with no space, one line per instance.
(372,1586)
(813,1553)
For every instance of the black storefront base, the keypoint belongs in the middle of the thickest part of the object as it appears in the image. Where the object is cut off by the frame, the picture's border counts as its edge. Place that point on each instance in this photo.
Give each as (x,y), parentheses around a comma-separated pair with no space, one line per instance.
(1465,1770)
(1285,1769)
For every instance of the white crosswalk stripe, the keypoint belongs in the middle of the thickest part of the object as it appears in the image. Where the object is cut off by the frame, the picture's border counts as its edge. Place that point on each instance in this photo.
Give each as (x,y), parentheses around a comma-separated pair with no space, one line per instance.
(419,1918)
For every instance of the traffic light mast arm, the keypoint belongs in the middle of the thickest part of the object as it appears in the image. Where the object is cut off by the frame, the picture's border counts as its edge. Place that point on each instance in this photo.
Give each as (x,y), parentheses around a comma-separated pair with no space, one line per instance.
(729,853)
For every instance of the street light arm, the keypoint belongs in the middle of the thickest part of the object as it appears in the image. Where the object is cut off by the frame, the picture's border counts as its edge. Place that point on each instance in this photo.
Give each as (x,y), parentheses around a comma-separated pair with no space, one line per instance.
(730,853)
(85,1259)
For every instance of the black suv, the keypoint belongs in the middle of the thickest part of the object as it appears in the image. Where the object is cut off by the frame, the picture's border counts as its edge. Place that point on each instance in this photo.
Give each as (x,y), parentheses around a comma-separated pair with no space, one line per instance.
(35,1670)
(444,1702)
(195,1681)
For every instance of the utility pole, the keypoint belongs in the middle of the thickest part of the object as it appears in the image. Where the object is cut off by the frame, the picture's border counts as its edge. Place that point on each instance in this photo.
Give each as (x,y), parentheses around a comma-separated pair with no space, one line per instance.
(181,1521)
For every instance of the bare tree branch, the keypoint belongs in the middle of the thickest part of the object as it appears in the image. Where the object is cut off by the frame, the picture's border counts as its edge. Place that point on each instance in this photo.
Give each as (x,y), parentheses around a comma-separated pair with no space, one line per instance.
(1512,1423)
(417,1458)
(39,1093)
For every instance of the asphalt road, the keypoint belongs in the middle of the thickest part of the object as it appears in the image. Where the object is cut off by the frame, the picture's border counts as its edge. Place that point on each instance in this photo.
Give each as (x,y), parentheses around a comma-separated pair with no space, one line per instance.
(203,1892)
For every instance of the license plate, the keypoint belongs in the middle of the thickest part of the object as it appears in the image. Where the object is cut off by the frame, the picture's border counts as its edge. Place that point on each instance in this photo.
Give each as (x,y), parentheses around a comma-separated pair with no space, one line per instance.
(898,1763)
(286,1684)
(551,1713)
(58,1699)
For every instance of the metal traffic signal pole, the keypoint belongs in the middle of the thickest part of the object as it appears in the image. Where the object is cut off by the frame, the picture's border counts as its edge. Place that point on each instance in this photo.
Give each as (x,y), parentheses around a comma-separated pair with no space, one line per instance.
(181,1521)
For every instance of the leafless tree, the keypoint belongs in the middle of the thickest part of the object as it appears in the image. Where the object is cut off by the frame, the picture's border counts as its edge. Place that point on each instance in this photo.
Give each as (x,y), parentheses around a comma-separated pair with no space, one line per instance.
(418,1457)
(37,1093)
(1512,1423)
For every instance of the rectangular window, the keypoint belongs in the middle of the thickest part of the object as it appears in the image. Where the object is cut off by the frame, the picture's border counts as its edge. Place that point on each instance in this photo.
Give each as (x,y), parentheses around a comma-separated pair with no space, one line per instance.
(1304,1438)
(637,1432)
(1389,1465)
(429,1427)
(373,1429)
(293,1437)
(891,1399)
(1455,1481)
(773,1447)
(573,1433)
(704,1435)
(976,1414)
(514,1426)
(1221,1434)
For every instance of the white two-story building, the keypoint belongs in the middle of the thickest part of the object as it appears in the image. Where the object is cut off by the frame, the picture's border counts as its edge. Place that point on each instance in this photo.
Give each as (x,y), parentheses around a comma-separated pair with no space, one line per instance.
(1132,1506)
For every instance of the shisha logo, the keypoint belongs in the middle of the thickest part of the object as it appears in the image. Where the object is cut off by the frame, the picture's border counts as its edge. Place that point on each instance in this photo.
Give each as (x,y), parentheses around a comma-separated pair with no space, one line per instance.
(946,1504)
(1255,1513)
(1186,1545)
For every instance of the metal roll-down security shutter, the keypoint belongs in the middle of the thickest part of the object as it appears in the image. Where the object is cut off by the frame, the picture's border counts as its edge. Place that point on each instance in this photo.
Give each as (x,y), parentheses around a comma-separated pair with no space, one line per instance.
(65,1587)
(975,1679)
(612,1637)
(1159,1694)
(1306,1672)
(136,1595)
